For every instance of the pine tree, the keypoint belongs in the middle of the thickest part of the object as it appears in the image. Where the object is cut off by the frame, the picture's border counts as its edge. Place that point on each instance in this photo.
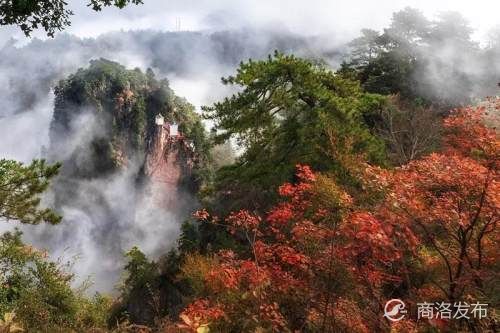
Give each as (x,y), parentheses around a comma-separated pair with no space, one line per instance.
(20,189)
(285,113)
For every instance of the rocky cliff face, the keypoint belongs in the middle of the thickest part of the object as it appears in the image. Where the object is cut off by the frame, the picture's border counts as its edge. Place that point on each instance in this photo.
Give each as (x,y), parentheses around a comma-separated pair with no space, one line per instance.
(112,109)
(170,159)
(125,180)
(104,122)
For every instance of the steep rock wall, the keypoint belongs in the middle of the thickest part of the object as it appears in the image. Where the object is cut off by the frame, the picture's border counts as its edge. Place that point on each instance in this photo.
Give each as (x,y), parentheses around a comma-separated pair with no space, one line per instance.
(123,182)
(168,165)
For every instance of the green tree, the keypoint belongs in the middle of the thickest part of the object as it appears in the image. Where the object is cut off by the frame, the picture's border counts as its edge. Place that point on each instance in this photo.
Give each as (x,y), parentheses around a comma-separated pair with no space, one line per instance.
(421,60)
(39,291)
(386,63)
(138,291)
(365,48)
(51,15)
(452,27)
(140,271)
(285,113)
(20,189)
(409,27)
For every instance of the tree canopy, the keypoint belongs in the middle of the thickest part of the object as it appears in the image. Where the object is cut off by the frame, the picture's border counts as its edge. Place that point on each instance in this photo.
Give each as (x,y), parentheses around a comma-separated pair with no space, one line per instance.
(20,189)
(320,255)
(36,293)
(286,112)
(51,15)
(418,58)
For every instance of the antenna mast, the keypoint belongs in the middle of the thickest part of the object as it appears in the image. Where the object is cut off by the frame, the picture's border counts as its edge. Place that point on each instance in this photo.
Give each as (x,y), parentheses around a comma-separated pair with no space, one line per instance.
(177,24)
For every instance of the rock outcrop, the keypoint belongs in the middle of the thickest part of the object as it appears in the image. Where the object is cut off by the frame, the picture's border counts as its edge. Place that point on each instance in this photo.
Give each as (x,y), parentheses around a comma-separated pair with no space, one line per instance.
(124,181)
(169,163)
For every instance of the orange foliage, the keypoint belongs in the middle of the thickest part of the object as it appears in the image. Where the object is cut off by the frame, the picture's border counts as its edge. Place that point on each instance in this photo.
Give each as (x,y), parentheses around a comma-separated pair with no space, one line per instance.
(438,220)
(199,313)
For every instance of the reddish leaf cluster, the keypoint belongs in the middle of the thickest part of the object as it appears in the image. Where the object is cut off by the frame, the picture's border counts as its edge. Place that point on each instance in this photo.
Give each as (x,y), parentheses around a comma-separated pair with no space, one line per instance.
(294,255)
(437,220)
(198,314)
(467,134)
(451,203)
(243,220)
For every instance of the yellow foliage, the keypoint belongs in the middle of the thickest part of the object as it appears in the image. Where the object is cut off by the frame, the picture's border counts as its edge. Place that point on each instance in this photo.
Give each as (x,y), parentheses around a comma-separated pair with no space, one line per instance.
(195,268)
(203,329)
(8,324)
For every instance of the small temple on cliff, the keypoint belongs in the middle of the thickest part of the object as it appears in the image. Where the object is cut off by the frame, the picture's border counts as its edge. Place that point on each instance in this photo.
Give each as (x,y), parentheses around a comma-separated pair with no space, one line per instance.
(159,120)
(171,128)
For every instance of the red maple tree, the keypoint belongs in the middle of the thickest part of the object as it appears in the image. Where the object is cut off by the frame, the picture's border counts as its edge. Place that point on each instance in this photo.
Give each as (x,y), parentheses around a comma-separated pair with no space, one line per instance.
(322,261)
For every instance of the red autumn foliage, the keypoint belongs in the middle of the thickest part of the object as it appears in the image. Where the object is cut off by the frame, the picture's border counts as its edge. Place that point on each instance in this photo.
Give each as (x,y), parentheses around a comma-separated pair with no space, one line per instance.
(467,134)
(450,202)
(433,236)
(294,255)
(199,313)
(243,220)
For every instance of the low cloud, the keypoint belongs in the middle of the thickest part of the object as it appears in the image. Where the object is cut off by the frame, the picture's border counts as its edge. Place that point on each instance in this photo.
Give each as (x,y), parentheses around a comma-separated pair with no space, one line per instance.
(108,216)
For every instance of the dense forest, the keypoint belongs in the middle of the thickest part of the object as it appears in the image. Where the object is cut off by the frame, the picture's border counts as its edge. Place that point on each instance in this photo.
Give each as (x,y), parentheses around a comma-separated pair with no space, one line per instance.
(311,195)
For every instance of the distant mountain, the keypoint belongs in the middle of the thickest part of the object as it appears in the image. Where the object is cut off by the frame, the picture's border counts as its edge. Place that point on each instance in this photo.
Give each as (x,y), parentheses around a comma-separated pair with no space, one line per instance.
(29,71)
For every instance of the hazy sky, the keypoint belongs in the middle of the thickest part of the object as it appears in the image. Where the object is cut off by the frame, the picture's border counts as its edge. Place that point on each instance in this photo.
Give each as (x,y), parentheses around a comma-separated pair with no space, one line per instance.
(341,18)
